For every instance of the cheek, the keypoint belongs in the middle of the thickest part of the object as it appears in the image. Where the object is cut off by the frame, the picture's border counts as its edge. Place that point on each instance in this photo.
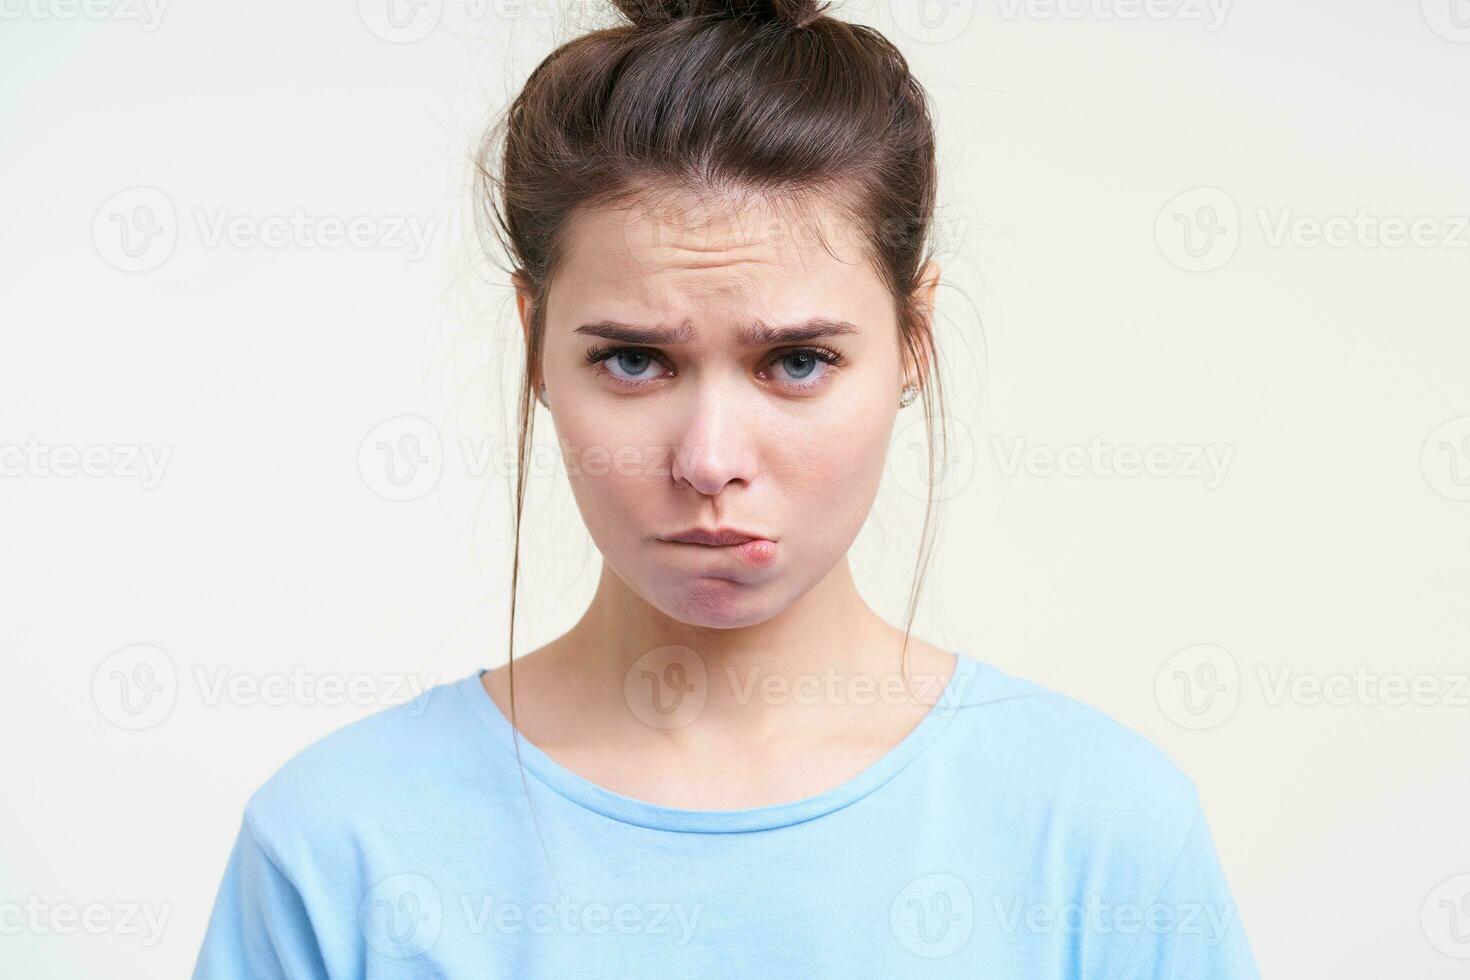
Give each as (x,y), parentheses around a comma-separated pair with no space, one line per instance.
(832,469)
(612,471)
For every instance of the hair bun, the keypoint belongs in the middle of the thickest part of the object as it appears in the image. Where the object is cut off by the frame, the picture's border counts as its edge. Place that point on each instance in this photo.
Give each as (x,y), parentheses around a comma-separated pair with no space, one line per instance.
(793,13)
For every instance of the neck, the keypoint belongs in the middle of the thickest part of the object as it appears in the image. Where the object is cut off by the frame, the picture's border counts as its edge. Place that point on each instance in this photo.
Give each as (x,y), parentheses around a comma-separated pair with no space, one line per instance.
(768,678)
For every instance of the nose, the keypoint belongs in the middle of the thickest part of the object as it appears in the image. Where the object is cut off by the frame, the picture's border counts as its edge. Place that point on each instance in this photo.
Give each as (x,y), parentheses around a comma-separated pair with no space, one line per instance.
(716,442)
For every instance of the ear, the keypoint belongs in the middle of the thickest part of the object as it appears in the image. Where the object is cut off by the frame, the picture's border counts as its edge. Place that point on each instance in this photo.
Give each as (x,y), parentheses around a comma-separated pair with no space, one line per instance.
(924,308)
(524,309)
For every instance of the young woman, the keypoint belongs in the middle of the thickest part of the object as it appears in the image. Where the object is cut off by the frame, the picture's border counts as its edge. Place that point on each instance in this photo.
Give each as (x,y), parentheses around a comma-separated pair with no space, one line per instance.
(730,766)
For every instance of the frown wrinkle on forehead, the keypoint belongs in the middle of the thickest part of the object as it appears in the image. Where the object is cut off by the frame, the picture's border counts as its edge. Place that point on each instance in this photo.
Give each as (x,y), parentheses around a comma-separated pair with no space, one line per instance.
(649,270)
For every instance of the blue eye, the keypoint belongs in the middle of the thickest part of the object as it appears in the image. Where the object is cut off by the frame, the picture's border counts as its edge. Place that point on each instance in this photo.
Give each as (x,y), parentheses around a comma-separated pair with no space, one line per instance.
(632,360)
(808,368)
(806,361)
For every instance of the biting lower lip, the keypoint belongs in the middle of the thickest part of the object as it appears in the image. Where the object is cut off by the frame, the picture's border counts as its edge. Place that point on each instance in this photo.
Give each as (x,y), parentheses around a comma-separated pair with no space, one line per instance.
(755,552)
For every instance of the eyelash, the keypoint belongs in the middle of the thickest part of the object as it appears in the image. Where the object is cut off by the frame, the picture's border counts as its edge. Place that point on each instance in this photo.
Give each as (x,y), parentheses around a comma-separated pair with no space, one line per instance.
(596,355)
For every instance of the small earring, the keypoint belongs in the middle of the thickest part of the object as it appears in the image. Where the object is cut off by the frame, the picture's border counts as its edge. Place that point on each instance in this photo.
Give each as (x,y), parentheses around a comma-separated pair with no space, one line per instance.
(541,396)
(910,392)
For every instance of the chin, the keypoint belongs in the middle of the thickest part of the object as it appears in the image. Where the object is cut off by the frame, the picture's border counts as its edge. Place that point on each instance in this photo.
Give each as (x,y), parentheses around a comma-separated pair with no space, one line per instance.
(718,603)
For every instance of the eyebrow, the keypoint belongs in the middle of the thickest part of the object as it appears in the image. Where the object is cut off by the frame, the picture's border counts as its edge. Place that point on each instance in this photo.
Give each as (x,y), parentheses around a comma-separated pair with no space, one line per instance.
(754,335)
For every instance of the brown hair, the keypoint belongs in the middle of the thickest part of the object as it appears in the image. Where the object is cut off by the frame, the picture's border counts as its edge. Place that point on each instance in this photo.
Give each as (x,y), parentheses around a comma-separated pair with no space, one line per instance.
(771,97)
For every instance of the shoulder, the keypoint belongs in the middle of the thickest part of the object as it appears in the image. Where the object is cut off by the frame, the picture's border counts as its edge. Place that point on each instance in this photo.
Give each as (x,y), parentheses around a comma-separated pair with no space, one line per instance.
(1089,773)
(360,777)
(1101,822)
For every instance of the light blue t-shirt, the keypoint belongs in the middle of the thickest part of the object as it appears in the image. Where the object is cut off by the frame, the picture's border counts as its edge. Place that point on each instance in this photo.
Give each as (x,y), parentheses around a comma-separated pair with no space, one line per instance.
(1014,833)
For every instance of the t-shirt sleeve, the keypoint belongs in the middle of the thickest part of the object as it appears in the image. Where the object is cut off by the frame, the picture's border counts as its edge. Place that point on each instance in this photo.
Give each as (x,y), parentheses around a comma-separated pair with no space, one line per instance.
(259,929)
(1192,930)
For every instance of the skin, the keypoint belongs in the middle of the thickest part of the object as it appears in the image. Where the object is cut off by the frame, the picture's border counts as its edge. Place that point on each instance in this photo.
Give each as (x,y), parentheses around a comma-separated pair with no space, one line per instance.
(715,433)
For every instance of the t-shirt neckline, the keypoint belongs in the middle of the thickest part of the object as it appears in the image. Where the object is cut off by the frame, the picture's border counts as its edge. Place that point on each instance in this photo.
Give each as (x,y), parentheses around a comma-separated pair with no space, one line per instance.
(589,795)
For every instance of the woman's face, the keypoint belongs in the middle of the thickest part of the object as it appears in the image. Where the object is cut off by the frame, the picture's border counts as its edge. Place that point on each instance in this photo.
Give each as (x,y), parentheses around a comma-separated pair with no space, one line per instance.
(713,367)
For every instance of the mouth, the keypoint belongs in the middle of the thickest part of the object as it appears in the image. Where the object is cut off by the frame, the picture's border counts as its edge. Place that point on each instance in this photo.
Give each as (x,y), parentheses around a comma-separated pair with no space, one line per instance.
(715,537)
(749,548)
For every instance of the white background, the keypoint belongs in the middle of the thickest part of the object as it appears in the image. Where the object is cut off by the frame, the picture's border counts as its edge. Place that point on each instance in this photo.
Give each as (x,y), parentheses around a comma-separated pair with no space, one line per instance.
(1335,378)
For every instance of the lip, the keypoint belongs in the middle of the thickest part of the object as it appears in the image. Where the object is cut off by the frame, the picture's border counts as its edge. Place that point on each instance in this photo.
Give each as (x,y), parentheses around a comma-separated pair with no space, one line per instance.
(752,550)
(717,536)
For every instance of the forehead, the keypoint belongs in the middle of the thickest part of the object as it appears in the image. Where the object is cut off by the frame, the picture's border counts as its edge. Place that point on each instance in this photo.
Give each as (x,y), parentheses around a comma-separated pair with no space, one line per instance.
(717,261)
